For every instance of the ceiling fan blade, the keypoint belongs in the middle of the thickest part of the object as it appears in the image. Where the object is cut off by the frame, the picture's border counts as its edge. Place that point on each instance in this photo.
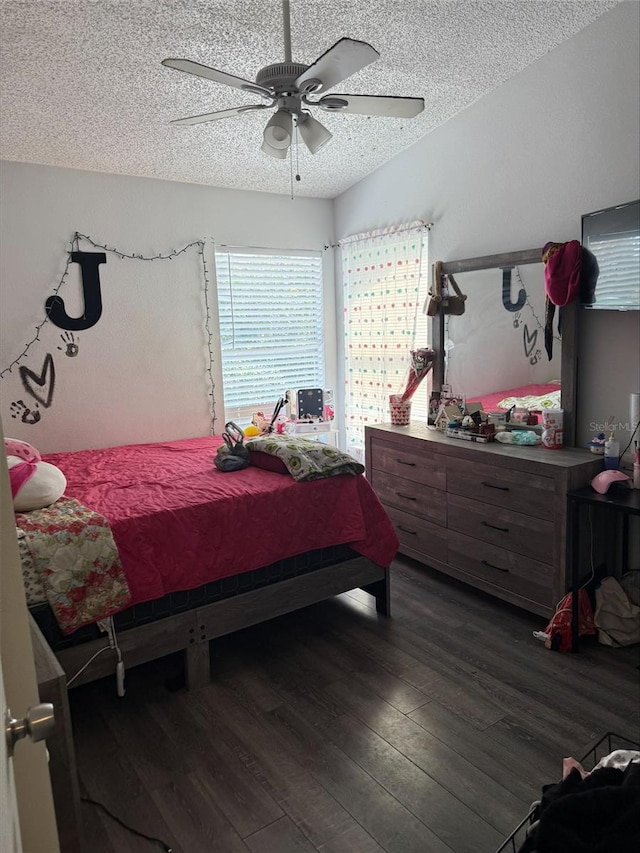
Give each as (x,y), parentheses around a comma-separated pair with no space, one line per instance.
(372,105)
(341,61)
(234,111)
(199,70)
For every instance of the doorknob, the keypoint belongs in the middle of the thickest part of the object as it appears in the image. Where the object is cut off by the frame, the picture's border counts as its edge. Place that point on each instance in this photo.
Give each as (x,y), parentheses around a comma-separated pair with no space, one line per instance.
(38,724)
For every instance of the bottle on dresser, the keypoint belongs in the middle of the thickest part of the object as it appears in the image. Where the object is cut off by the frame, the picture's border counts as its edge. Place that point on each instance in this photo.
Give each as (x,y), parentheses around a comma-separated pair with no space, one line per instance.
(611,452)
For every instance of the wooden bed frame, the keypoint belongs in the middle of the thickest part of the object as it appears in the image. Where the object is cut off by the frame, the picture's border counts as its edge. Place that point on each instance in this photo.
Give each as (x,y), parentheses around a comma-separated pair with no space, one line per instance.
(192,630)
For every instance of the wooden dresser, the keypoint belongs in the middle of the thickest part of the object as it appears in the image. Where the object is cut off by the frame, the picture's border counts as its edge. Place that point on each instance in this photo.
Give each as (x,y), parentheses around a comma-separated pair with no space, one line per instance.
(491,515)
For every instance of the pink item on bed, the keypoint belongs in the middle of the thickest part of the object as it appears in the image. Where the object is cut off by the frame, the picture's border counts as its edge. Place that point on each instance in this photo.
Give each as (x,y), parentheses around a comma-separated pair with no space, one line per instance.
(490,401)
(179,523)
(19,474)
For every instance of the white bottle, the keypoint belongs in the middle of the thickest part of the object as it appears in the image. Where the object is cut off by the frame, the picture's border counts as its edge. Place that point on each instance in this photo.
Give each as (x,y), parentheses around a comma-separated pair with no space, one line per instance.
(611,452)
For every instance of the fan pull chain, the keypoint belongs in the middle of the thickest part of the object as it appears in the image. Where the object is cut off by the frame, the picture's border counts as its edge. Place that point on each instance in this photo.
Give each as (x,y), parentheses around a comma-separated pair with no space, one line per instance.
(291,170)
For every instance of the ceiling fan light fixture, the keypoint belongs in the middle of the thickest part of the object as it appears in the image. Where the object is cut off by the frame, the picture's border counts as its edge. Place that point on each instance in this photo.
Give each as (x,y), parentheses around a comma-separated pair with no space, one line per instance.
(286,86)
(277,133)
(278,153)
(314,135)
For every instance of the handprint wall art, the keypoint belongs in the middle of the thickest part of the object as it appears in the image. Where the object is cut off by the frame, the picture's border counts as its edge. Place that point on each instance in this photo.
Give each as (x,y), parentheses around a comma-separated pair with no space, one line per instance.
(41,386)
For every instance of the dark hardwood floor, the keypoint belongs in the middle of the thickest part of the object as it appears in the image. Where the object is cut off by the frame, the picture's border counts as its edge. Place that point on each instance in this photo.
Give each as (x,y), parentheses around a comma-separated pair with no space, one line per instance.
(337,730)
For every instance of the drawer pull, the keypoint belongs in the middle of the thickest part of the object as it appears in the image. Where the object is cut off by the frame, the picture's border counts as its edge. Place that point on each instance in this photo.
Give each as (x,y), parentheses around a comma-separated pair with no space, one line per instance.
(404,530)
(491,566)
(406,497)
(403,462)
(492,486)
(495,527)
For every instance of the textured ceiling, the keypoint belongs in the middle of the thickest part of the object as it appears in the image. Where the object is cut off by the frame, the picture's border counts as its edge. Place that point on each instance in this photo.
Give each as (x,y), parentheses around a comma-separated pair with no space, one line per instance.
(82,84)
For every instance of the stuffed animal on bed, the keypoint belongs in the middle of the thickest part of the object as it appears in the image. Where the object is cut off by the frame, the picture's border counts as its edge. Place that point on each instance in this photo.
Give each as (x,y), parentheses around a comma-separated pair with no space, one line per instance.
(26,451)
(34,484)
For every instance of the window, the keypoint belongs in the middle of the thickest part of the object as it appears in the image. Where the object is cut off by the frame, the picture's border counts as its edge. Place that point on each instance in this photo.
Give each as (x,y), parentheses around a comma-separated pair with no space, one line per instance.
(271,327)
(385,281)
(613,236)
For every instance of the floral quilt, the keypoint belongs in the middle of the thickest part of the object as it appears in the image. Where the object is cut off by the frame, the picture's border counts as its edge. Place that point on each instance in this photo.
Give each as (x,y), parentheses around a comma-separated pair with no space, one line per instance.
(304,458)
(72,550)
(532,402)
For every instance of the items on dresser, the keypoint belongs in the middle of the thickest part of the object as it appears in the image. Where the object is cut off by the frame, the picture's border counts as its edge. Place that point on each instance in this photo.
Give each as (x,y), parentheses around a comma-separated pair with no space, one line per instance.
(492,516)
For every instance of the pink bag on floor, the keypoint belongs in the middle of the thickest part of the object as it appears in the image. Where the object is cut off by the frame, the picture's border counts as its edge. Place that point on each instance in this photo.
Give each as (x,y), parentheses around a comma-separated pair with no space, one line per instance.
(559,628)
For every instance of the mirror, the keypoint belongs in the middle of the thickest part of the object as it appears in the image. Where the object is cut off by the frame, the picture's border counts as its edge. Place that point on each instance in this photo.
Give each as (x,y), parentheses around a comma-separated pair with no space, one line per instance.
(496,349)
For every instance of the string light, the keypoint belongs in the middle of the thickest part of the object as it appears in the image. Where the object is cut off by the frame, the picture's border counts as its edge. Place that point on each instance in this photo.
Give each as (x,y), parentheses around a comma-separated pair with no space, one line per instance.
(207,325)
(39,326)
(132,256)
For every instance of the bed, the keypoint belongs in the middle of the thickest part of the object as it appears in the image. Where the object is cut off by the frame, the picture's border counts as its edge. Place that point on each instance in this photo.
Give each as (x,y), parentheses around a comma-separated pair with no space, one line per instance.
(205,553)
(532,397)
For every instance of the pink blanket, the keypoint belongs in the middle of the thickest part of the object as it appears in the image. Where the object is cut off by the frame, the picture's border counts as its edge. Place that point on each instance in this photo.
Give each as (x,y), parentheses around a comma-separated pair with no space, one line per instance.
(178,522)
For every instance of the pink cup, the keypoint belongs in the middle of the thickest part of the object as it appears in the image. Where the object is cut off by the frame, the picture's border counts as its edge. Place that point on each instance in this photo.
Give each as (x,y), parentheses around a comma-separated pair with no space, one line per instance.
(400,410)
(552,438)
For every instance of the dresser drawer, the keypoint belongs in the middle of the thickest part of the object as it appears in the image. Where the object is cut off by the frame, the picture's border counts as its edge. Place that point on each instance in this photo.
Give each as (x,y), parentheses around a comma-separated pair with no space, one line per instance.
(515,531)
(532,494)
(504,569)
(418,537)
(419,465)
(416,498)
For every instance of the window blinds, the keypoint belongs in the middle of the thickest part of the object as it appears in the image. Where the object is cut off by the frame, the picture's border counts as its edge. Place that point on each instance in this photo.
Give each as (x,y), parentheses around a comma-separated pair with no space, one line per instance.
(613,236)
(271,327)
(618,258)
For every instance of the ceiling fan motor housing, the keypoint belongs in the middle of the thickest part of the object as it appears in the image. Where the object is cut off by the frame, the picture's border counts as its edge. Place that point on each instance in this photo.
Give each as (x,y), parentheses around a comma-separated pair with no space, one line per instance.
(281,76)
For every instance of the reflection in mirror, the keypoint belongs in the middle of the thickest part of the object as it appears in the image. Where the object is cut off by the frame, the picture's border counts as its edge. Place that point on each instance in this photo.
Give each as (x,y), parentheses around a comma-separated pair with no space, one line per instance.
(496,349)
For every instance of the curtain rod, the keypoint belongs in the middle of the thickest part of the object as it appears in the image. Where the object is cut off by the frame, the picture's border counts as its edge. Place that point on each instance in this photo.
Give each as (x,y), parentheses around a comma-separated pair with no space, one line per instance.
(263,248)
(380,232)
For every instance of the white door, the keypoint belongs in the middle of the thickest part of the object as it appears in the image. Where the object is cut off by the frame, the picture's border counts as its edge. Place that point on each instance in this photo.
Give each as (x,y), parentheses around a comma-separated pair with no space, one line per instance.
(26,807)
(9,826)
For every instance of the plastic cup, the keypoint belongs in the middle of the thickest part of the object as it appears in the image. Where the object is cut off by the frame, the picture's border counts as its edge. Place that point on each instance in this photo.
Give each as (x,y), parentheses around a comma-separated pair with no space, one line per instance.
(400,410)
(552,429)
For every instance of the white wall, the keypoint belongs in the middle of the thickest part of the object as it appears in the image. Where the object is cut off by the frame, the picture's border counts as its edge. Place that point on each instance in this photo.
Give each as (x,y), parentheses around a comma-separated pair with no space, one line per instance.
(140,372)
(519,168)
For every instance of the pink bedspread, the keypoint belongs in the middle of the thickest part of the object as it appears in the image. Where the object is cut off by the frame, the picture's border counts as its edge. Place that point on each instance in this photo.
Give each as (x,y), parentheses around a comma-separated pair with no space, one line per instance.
(178,522)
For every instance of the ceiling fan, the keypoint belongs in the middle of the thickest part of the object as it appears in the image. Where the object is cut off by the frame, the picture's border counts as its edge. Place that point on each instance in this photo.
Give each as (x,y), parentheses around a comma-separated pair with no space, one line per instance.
(287,86)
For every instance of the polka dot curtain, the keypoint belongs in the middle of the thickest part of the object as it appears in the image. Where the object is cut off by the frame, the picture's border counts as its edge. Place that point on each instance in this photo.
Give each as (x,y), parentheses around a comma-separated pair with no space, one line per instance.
(385,278)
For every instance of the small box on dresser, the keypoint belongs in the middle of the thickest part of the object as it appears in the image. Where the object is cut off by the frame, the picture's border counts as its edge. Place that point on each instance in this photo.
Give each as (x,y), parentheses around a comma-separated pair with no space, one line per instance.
(491,515)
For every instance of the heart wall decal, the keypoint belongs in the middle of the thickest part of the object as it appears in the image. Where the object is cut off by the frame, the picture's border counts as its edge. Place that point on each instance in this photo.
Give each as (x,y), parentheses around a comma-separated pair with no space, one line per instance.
(40,387)
(529,340)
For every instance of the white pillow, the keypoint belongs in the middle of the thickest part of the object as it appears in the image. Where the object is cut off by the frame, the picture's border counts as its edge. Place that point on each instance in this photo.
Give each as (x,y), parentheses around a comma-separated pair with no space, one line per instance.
(42,489)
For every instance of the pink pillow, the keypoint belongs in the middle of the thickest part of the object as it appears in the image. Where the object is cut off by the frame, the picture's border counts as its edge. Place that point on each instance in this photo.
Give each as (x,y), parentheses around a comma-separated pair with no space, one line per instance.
(21,449)
(34,485)
(267,462)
